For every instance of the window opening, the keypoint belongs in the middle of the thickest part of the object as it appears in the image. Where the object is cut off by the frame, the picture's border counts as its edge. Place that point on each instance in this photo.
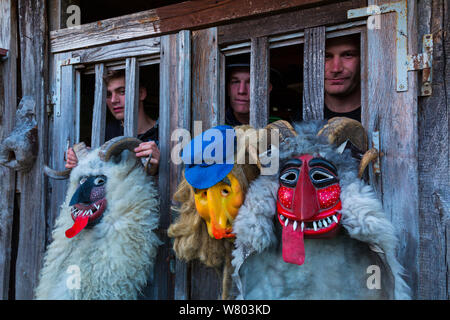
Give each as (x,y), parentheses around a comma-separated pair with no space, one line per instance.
(148,79)
(286,74)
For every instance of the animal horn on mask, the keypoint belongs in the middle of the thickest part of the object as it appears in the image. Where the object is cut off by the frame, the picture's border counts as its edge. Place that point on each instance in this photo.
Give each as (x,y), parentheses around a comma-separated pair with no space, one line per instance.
(80,150)
(115,147)
(341,129)
(285,130)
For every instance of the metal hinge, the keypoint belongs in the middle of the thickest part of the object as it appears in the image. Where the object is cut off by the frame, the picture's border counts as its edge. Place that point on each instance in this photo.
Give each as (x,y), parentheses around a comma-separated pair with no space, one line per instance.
(3,54)
(405,62)
(50,104)
(423,61)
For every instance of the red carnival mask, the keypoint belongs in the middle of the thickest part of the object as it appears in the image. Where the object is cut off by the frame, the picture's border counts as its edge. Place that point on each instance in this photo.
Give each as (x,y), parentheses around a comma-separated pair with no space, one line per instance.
(308,203)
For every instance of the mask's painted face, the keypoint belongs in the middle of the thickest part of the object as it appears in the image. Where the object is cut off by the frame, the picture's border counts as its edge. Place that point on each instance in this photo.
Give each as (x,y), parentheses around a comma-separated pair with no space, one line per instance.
(308,203)
(219,205)
(87,204)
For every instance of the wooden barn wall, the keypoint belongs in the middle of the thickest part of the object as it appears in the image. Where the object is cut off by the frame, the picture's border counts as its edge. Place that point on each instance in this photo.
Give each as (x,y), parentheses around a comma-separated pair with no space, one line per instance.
(8,103)
(434,156)
(33,35)
(394,115)
(414,137)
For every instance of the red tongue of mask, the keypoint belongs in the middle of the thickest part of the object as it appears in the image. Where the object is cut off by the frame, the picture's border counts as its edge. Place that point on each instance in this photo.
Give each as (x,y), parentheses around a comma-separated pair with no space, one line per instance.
(293,245)
(79,224)
(298,202)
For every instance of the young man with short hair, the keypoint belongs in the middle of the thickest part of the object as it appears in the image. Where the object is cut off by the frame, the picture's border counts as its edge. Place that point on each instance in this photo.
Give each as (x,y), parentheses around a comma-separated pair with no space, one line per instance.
(342,81)
(238,88)
(147,127)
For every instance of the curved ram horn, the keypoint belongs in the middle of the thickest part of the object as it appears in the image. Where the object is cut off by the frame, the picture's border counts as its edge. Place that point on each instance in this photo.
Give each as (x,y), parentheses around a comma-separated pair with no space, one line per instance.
(80,150)
(284,127)
(340,129)
(116,145)
(58,175)
(367,158)
(285,130)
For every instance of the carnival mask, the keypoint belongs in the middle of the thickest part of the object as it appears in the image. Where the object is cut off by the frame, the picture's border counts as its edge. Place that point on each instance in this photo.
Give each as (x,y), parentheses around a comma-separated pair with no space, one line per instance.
(87,204)
(219,205)
(307,204)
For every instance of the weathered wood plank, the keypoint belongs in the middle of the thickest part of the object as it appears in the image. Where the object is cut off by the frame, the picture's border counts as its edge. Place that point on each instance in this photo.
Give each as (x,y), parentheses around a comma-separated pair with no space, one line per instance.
(117,51)
(131,97)
(313,73)
(181,118)
(34,66)
(222,88)
(434,177)
(205,86)
(8,103)
(259,82)
(171,280)
(163,276)
(325,15)
(394,115)
(61,131)
(99,115)
(77,105)
(156,22)
(205,282)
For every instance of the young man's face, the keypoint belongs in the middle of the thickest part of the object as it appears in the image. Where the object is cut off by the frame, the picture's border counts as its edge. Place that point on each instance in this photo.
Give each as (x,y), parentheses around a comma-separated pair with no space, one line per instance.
(115,97)
(342,67)
(239,90)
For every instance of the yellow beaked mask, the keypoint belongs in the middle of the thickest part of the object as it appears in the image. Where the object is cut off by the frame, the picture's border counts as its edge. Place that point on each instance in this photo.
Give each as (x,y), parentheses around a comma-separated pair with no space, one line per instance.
(219,205)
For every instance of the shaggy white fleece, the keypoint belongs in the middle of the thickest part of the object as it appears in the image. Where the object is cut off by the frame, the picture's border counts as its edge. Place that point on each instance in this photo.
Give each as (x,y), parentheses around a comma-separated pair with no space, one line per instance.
(334,268)
(116,256)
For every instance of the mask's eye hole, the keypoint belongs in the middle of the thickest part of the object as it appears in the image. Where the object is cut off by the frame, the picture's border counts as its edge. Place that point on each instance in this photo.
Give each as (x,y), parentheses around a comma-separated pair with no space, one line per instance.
(289,177)
(320,176)
(83,180)
(100,180)
(225,192)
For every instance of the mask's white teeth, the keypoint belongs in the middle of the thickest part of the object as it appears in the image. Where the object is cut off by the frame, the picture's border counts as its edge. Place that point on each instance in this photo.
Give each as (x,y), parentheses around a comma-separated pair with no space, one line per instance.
(281,217)
(286,222)
(335,219)
(319,223)
(325,224)
(295,225)
(96,206)
(90,212)
(314,226)
(329,220)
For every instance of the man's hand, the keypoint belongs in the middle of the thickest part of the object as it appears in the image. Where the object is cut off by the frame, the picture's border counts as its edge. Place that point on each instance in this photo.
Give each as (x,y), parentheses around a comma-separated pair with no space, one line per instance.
(147,149)
(72,160)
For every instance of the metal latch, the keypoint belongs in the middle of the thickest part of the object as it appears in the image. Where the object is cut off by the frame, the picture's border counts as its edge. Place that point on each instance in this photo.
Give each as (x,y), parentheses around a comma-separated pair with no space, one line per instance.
(405,62)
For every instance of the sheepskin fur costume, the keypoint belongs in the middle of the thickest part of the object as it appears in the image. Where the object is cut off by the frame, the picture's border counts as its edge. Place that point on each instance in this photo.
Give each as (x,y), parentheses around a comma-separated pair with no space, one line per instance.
(115,257)
(336,268)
